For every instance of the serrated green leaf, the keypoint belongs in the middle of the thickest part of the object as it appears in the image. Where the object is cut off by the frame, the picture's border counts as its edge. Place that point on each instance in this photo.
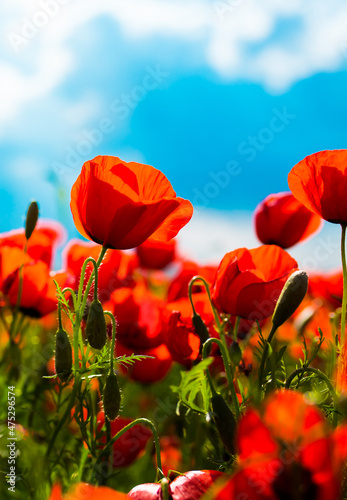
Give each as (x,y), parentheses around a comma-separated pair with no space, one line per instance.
(194,391)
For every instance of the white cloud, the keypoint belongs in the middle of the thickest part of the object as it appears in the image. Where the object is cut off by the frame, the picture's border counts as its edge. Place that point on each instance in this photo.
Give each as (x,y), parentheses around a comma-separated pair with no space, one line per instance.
(213,233)
(241,39)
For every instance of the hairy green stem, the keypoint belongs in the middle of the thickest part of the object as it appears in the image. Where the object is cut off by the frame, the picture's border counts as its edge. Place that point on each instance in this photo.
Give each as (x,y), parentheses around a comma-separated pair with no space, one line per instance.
(114,329)
(227,371)
(149,424)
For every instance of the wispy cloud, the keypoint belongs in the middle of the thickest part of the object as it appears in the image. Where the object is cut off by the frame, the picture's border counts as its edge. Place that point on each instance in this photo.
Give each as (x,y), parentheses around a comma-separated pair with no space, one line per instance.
(269,42)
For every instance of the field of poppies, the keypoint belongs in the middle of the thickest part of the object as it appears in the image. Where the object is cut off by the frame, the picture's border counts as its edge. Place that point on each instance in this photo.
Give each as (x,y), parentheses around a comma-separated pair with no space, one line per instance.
(135,373)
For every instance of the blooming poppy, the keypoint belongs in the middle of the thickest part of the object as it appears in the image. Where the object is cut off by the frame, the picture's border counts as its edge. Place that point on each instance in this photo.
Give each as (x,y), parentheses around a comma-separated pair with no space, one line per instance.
(42,244)
(130,444)
(319,182)
(139,317)
(249,282)
(84,491)
(119,205)
(328,286)
(179,285)
(180,336)
(287,450)
(150,369)
(116,270)
(282,220)
(38,292)
(191,485)
(154,254)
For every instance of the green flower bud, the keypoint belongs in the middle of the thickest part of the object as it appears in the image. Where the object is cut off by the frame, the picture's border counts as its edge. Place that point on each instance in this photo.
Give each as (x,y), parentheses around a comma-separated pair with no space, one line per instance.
(225,422)
(111,397)
(31,219)
(235,353)
(63,355)
(291,297)
(200,329)
(96,325)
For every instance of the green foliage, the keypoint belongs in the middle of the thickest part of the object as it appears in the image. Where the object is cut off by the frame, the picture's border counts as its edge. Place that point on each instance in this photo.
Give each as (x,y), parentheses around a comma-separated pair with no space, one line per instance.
(194,391)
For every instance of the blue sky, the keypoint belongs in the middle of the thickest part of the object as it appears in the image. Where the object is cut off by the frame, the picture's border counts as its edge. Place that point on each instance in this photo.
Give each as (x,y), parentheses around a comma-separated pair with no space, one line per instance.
(223,96)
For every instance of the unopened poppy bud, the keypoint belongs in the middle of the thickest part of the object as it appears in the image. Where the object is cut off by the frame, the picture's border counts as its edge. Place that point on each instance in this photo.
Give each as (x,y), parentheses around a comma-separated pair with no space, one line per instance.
(291,297)
(225,422)
(63,355)
(111,397)
(200,329)
(96,325)
(31,219)
(235,353)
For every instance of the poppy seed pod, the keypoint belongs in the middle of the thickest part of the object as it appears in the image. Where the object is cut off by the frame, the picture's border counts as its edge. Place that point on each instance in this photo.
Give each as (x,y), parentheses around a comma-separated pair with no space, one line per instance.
(63,355)
(225,422)
(291,297)
(111,397)
(31,219)
(96,325)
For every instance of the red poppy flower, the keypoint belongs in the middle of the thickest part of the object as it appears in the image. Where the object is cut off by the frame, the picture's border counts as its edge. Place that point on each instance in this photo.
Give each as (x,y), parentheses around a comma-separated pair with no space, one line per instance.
(327,286)
(179,334)
(138,313)
(119,205)
(192,485)
(319,182)
(156,254)
(282,220)
(115,271)
(147,370)
(249,282)
(285,449)
(179,285)
(42,243)
(84,491)
(38,293)
(130,444)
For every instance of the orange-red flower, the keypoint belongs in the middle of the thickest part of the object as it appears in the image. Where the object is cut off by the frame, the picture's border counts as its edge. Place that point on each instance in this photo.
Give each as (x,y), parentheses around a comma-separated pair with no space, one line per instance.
(156,254)
(151,369)
(287,449)
(42,244)
(84,491)
(249,282)
(119,205)
(179,285)
(115,272)
(130,444)
(327,286)
(38,293)
(138,313)
(319,182)
(282,220)
(179,334)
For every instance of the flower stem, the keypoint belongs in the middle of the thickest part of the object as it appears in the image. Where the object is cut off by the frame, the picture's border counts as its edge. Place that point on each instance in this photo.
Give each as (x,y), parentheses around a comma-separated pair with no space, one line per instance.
(341,361)
(149,424)
(114,329)
(322,376)
(227,371)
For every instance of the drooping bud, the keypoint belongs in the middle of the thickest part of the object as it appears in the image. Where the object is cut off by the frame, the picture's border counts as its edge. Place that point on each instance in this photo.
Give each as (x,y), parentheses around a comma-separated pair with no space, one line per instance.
(291,297)
(200,329)
(225,422)
(235,353)
(96,325)
(31,219)
(111,397)
(63,355)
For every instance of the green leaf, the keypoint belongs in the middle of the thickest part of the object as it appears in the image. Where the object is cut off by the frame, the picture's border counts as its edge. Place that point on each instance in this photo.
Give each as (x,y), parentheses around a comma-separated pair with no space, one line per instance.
(194,391)
(130,360)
